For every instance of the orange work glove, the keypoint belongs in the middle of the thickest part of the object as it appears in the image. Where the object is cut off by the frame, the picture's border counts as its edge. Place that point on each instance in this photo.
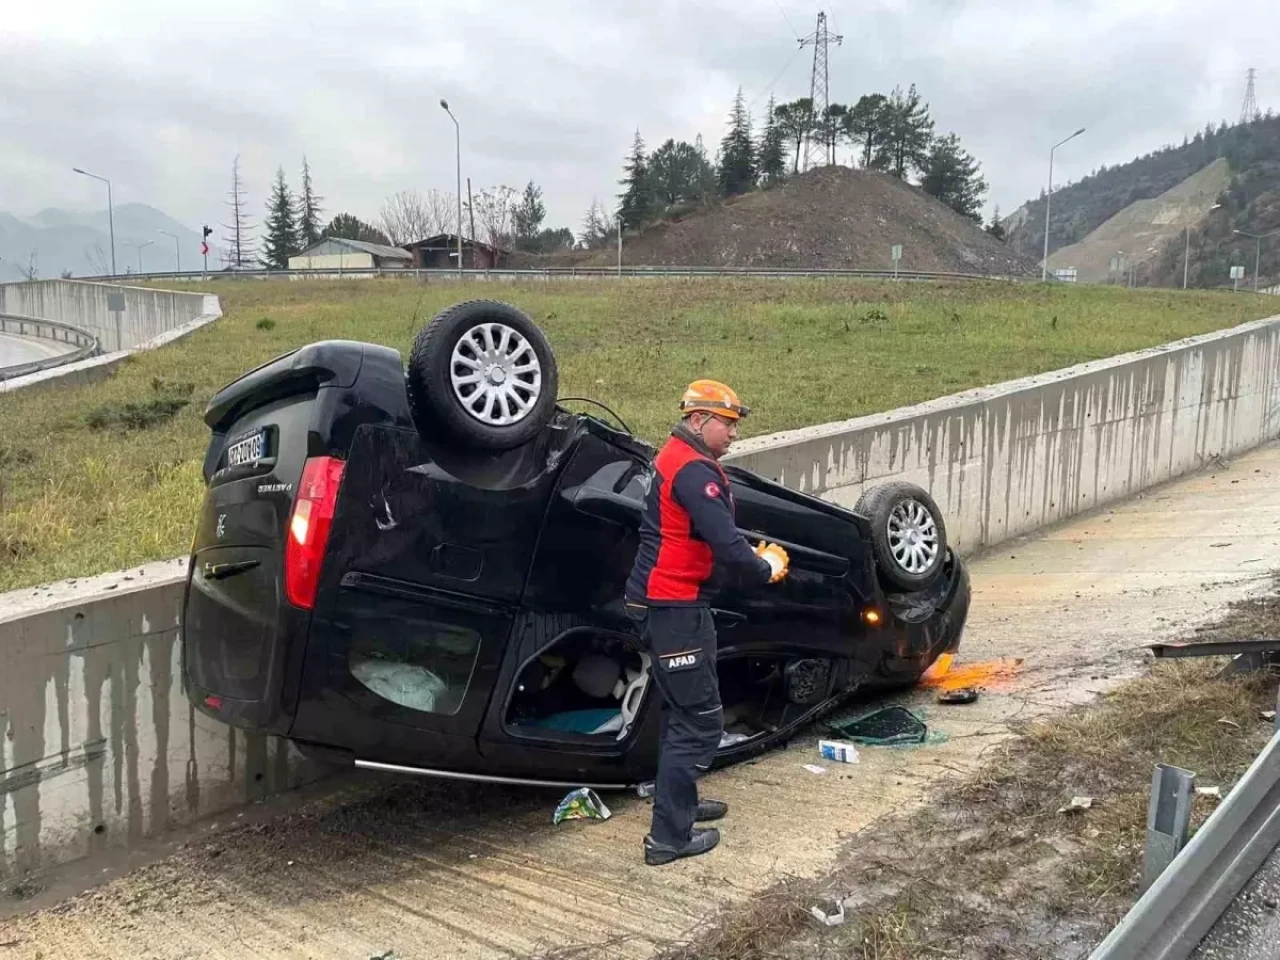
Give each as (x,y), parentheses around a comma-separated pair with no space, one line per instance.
(776,557)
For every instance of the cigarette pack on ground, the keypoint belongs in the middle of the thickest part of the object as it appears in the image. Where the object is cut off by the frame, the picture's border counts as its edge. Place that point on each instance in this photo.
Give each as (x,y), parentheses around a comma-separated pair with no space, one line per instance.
(838,751)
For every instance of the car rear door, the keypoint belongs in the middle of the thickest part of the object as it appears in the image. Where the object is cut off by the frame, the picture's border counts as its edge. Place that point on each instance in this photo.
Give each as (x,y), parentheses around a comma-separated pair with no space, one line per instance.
(422,582)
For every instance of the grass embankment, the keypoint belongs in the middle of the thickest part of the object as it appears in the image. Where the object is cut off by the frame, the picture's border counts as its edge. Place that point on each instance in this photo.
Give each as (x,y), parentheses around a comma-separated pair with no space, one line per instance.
(106,476)
(993,868)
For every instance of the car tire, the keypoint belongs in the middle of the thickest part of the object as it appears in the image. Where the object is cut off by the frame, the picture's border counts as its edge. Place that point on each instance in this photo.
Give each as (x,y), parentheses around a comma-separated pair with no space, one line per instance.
(908,536)
(484,374)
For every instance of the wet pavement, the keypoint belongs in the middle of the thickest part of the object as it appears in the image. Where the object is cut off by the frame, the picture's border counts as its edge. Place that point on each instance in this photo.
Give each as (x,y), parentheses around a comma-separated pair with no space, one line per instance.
(16,350)
(424,869)
(1249,929)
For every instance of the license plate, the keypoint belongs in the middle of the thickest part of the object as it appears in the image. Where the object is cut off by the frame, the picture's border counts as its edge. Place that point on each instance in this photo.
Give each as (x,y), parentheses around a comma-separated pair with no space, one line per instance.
(247,450)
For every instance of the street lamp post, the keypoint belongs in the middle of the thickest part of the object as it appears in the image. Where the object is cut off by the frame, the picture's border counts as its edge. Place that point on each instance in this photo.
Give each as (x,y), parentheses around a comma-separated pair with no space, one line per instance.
(1186,255)
(111,220)
(457,139)
(1044,266)
(1257,239)
(140,247)
(177,249)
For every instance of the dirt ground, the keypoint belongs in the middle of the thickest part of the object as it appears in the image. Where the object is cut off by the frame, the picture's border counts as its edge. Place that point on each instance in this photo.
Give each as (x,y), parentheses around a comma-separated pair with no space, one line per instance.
(829,218)
(418,870)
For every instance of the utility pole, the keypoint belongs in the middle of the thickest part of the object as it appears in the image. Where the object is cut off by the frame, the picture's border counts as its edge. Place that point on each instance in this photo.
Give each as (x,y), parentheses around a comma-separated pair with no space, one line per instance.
(818,85)
(111,219)
(471,211)
(618,217)
(1249,109)
(1186,256)
(457,131)
(177,249)
(1044,266)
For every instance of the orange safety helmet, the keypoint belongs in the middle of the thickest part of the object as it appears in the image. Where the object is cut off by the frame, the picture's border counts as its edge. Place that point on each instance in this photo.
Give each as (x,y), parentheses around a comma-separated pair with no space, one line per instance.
(711,396)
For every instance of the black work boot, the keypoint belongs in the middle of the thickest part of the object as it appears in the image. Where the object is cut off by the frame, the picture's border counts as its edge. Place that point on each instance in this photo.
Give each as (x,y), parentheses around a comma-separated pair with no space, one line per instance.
(710,810)
(702,840)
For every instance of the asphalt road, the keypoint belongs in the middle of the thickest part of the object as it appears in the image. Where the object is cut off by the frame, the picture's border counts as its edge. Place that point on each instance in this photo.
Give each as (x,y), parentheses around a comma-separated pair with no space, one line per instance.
(425,869)
(16,350)
(1250,927)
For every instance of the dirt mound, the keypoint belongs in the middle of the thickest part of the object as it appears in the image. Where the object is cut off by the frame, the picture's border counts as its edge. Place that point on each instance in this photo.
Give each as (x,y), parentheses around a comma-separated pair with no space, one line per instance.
(834,217)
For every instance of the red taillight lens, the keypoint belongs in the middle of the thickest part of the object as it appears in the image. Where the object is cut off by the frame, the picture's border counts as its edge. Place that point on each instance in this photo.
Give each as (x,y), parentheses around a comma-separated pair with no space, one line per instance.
(308,533)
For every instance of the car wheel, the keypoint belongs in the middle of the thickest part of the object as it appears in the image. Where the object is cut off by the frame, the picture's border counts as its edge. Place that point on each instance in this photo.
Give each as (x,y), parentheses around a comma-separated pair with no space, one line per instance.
(908,536)
(482,372)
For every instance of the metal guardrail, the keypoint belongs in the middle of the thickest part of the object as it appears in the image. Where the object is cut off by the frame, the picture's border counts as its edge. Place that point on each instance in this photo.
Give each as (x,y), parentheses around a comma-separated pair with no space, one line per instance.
(86,344)
(1185,901)
(558,273)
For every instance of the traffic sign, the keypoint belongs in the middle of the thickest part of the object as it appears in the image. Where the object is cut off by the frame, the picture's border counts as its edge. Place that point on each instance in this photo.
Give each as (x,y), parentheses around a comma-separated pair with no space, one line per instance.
(897,251)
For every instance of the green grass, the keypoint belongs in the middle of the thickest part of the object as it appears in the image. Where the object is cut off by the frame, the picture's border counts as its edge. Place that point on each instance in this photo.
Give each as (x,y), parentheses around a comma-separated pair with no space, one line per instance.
(106,476)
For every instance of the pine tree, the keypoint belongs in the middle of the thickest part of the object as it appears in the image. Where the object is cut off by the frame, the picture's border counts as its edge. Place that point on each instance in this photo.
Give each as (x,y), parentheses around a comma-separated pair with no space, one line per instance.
(708,178)
(796,120)
(773,148)
(282,231)
(239,242)
(866,125)
(350,227)
(831,126)
(636,208)
(951,175)
(737,152)
(596,227)
(527,217)
(309,210)
(677,171)
(995,227)
(908,133)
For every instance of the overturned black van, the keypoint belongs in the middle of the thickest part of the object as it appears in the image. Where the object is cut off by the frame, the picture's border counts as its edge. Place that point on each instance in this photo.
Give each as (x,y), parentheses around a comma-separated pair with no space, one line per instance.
(419,566)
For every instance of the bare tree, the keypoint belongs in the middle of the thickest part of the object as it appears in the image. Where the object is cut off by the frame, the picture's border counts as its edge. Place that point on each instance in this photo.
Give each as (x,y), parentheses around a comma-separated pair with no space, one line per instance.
(444,211)
(494,209)
(98,262)
(32,270)
(407,216)
(240,251)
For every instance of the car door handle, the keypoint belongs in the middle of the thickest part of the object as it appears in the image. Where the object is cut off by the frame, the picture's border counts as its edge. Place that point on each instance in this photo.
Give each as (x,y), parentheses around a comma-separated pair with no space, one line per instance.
(220,571)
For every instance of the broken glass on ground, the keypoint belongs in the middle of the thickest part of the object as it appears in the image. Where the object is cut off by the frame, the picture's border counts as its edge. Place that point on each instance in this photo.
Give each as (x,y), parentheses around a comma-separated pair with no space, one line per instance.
(886,726)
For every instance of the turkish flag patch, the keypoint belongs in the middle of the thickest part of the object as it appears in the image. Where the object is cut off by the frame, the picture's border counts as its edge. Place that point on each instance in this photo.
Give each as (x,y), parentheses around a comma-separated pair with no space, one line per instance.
(712,490)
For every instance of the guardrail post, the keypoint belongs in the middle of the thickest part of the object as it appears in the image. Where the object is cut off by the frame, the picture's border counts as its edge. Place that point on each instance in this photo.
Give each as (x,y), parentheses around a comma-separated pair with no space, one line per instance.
(1168,819)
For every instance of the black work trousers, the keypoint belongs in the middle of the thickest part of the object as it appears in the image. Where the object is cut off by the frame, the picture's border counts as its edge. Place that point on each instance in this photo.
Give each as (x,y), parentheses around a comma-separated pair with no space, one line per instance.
(682,642)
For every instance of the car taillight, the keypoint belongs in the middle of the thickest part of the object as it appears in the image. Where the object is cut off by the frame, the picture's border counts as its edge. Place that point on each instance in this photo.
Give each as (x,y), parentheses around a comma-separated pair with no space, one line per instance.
(309,529)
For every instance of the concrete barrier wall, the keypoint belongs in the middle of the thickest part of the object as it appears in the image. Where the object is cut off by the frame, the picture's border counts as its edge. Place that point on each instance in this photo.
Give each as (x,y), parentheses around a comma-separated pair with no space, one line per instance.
(1017,456)
(151,319)
(98,746)
(147,314)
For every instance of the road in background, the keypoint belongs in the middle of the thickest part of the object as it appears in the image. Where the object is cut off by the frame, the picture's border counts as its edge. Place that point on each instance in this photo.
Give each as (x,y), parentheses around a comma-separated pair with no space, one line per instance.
(16,350)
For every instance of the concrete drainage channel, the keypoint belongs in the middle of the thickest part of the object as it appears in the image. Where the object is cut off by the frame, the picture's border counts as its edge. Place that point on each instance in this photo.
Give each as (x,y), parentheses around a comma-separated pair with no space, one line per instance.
(101,750)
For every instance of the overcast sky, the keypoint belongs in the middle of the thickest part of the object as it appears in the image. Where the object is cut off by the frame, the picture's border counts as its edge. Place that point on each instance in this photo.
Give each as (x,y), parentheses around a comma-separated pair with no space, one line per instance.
(161,96)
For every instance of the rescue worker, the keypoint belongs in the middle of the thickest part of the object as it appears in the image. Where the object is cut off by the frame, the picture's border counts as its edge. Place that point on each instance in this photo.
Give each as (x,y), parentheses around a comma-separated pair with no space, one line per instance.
(688,527)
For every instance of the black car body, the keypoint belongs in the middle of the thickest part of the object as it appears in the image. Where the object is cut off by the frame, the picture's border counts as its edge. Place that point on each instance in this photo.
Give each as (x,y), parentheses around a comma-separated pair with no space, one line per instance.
(379,593)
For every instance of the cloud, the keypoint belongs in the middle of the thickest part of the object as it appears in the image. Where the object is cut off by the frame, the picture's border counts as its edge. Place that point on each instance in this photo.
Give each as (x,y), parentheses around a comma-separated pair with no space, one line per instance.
(161,98)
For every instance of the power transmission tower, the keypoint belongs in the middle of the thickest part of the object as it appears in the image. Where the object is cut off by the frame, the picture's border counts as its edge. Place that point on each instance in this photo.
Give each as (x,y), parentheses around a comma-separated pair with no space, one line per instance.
(1249,112)
(816,150)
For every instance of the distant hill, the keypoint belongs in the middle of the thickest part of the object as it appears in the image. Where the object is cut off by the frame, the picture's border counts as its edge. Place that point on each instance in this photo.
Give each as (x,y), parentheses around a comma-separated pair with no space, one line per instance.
(79,242)
(1141,230)
(832,217)
(1250,199)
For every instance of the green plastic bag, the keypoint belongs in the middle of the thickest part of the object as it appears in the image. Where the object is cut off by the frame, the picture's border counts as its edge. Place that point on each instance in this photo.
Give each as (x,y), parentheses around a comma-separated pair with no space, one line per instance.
(581,804)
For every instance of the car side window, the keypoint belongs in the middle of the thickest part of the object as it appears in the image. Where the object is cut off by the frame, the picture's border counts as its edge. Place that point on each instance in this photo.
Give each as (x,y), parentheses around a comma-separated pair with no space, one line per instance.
(412,660)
